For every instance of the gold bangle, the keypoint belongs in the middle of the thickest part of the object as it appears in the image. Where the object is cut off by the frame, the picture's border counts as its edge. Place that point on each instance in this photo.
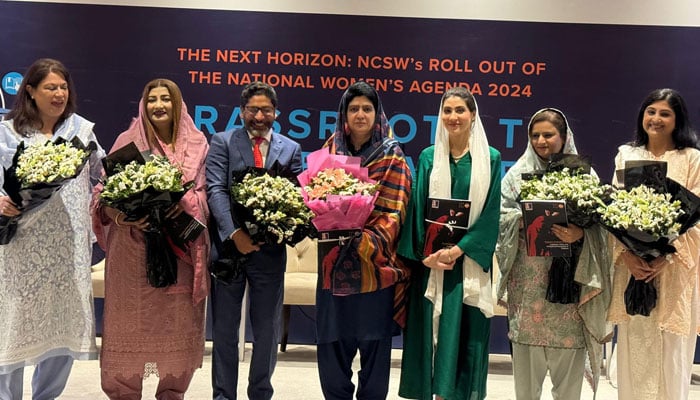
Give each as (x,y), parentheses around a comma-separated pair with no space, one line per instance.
(116,219)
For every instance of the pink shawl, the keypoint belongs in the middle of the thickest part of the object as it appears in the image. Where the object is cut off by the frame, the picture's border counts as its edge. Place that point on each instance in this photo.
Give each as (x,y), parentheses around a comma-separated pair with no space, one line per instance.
(189,154)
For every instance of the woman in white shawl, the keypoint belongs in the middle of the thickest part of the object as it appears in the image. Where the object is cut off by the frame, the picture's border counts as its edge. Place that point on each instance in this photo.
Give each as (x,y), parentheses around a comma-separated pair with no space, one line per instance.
(445,350)
(550,336)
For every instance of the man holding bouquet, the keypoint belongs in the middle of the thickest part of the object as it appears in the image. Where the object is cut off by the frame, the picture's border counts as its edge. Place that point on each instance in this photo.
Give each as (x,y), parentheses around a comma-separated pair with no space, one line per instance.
(255,145)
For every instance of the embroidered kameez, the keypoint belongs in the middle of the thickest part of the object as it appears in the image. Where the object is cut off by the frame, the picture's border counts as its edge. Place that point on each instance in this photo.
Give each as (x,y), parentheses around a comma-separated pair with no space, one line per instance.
(146,329)
(532,320)
(46,304)
(655,353)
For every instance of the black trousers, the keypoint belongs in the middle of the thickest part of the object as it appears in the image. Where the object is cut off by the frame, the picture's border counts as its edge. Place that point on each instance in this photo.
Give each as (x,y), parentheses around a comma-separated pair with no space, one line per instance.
(335,369)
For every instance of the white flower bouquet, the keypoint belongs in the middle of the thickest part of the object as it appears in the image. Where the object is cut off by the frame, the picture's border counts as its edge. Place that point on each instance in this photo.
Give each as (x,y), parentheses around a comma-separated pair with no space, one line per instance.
(568,177)
(37,172)
(146,188)
(49,162)
(643,213)
(582,192)
(646,217)
(157,174)
(276,207)
(270,208)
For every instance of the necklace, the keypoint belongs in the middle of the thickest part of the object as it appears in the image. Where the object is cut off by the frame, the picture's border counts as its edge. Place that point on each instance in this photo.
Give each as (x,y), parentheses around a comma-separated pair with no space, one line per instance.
(459,157)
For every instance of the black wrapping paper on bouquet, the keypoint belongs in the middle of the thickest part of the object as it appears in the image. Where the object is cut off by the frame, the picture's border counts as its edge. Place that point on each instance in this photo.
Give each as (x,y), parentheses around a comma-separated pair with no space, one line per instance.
(640,296)
(161,261)
(561,286)
(232,262)
(32,196)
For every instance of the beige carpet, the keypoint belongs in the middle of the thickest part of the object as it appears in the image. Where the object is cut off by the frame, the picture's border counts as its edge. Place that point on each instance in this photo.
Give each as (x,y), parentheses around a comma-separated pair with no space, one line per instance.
(296,378)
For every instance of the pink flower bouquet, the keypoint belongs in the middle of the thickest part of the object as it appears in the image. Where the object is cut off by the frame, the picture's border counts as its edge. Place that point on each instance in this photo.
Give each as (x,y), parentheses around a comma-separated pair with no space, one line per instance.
(338,190)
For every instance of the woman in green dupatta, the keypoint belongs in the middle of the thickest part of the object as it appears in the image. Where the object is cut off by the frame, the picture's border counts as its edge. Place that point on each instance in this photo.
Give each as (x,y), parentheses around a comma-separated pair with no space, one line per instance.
(445,350)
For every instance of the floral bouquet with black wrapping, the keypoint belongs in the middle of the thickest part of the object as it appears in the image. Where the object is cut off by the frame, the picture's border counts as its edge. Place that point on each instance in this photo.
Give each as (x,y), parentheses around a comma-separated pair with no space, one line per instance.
(146,188)
(568,177)
(37,172)
(268,206)
(646,217)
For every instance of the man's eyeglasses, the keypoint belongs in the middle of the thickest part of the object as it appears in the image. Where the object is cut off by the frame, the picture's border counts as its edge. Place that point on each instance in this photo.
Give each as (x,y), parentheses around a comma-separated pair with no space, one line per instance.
(267,111)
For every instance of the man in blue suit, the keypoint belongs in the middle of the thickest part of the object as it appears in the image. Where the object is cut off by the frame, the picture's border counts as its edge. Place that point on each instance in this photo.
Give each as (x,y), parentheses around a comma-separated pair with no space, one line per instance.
(231,151)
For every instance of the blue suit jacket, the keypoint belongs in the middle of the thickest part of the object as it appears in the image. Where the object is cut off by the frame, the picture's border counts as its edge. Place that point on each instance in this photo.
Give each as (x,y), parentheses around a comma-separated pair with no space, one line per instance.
(231,151)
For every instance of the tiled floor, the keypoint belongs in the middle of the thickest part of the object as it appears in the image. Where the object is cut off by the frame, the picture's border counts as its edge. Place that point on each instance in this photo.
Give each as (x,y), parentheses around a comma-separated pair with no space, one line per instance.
(296,378)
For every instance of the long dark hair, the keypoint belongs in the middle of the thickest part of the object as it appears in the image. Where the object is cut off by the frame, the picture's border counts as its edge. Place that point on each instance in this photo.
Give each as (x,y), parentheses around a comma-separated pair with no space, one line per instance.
(25,115)
(683,135)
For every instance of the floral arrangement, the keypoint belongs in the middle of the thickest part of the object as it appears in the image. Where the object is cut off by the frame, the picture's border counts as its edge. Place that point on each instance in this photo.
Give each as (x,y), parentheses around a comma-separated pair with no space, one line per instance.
(337,181)
(276,204)
(582,192)
(338,190)
(643,209)
(134,177)
(48,162)
(37,172)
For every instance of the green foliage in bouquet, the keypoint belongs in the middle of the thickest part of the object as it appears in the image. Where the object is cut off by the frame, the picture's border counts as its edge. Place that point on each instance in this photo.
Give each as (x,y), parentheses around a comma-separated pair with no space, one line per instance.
(48,162)
(275,202)
(132,178)
(580,191)
(643,209)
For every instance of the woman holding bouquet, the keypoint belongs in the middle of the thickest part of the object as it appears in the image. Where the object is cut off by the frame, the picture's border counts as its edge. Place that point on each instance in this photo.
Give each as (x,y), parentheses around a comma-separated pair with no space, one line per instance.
(547,335)
(46,297)
(147,329)
(367,319)
(655,353)
(447,334)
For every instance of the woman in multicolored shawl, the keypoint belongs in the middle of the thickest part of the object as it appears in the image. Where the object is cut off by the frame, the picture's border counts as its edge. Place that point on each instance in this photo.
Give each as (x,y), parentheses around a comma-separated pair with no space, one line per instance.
(551,336)
(446,339)
(367,319)
(147,329)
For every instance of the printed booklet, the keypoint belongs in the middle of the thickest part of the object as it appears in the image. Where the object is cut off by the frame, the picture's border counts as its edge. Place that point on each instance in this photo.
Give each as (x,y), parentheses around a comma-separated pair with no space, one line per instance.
(538,217)
(446,222)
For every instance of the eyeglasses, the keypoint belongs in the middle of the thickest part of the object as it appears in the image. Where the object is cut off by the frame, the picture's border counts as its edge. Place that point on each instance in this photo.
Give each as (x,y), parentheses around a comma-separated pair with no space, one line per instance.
(267,111)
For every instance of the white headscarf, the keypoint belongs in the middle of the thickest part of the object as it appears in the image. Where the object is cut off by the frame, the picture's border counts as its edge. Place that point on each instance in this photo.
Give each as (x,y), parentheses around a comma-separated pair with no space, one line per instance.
(509,227)
(476,282)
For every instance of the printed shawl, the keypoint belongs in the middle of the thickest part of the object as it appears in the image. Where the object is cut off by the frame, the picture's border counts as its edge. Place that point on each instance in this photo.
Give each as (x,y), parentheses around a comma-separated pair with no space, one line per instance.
(379,267)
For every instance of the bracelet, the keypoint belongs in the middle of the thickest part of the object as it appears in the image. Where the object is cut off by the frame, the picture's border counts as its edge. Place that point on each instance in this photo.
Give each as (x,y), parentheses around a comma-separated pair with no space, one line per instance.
(116,219)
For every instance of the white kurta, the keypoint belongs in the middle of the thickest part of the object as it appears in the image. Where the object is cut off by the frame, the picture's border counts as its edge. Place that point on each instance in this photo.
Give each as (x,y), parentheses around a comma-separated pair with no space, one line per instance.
(46,304)
(655,353)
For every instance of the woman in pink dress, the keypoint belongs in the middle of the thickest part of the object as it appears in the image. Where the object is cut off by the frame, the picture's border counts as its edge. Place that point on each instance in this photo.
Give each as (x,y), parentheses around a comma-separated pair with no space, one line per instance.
(147,329)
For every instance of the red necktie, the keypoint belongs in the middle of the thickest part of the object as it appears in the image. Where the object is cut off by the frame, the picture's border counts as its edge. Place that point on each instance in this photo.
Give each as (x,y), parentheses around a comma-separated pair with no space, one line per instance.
(257,154)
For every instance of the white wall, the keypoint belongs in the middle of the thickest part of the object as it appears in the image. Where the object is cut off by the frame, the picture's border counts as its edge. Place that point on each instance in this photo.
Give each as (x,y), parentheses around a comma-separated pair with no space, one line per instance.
(625,12)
